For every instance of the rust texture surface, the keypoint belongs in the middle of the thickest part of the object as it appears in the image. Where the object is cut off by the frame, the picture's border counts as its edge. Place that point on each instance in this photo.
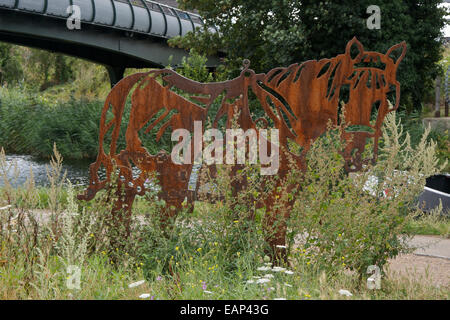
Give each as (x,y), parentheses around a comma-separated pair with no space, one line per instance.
(298,100)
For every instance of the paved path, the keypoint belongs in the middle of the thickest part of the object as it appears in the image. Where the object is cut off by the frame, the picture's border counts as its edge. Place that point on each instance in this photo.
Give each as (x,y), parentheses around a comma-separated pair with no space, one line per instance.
(429,263)
(432,246)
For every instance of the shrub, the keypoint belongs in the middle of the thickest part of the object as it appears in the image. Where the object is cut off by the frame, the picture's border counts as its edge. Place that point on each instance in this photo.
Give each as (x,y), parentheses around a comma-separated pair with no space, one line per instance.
(358,220)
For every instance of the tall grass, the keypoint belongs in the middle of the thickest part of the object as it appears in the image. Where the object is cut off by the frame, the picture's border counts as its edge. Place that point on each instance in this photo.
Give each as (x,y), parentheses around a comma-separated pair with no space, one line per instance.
(219,251)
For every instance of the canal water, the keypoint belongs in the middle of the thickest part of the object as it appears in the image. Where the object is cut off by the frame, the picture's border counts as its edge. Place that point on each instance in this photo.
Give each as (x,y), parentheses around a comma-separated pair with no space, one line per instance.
(19,167)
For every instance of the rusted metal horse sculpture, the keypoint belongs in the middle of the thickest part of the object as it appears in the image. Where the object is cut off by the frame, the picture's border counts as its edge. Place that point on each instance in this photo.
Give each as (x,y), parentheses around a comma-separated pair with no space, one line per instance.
(299,100)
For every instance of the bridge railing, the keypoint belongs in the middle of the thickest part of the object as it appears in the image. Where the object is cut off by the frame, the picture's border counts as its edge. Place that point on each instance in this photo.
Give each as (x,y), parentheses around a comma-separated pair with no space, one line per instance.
(140,16)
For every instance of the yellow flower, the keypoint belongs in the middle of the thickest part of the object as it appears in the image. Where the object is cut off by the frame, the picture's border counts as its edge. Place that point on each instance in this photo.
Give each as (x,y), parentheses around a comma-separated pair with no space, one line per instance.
(176,248)
(199,249)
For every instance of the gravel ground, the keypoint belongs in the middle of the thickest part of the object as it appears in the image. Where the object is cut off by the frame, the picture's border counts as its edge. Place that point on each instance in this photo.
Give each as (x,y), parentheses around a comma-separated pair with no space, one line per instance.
(423,268)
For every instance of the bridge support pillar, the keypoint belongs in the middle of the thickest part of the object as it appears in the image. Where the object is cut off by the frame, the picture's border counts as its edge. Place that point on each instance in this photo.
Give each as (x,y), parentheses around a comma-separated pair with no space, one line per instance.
(115,74)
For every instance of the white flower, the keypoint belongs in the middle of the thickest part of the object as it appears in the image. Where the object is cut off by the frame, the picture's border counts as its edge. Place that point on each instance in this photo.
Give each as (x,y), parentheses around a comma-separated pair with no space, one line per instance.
(250,281)
(279,299)
(289,272)
(264,280)
(278,269)
(144,296)
(136,284)
(281,247)
(343,292)
(268,276)
(288,285)
(263,268)
(208,292)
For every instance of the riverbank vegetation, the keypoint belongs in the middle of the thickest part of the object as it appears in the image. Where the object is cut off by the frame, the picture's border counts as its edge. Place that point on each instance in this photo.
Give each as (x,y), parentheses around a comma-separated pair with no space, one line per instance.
(76,250)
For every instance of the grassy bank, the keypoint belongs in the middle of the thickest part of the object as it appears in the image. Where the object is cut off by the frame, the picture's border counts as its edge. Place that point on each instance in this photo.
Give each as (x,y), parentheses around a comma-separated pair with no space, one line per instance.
(55,247)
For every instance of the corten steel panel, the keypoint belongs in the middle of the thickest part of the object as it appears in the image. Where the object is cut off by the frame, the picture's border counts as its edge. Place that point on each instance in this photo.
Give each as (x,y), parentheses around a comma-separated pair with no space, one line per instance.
(299,100)
(173,27)
(124,16)
(58,7)
(142,19)
(86,8)
(158,22)
(7,3)
(104,12)
(32,5)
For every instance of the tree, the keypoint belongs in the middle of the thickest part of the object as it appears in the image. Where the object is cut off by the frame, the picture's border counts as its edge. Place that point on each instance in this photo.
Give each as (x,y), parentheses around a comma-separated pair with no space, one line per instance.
(10,64)
(275,33)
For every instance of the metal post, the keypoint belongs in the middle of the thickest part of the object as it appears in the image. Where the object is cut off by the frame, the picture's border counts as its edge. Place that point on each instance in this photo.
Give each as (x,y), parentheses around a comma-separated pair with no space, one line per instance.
(115,74)
(93,11)
(446,91)
(149,16)
(437,105)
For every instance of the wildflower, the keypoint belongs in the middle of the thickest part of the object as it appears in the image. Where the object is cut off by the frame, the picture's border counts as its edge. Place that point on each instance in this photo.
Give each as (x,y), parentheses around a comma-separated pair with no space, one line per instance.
(307,295)
(204,286)
(288,285)
(236,221)
(208,292)
(289,272)
(268,276)
(263,280)
(344,292)
(250,281)
(176,248)
(136,284)
(281,247)
(199,249)
(279,299)
(158,278)
(278,269)
(263,269)
(144,296)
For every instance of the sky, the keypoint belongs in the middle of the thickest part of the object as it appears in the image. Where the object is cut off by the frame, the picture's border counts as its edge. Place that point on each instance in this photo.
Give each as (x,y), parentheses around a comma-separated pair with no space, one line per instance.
(446,29)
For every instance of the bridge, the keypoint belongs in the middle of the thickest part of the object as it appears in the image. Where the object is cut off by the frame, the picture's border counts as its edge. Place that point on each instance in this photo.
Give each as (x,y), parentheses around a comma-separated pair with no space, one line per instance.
(118,34)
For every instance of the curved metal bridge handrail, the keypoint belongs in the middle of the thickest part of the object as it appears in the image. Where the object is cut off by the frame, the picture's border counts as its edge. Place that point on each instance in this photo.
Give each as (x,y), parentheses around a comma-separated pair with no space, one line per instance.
(149,6)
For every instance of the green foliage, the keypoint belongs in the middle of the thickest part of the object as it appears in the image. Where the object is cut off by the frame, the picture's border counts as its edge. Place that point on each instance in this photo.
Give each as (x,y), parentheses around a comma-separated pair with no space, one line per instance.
(10,64)
(277,33)
(31,125)
(413,126)
(216,253)
(360,220)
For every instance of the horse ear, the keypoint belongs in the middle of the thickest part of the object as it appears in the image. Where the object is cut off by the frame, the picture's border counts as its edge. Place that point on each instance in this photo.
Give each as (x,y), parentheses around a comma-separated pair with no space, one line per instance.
(354,46)
(397,52)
